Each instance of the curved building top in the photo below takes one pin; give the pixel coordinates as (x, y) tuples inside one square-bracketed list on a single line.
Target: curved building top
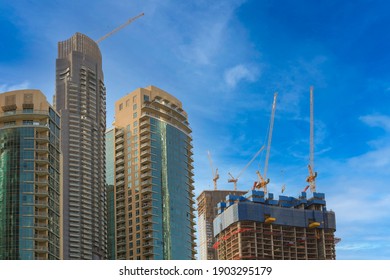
[(79, 43)]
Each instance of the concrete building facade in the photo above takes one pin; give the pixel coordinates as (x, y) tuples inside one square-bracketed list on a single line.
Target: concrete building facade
[(80, 99), (253, 227), (207, 212), (153, 177), (29, 177), (110, 182)]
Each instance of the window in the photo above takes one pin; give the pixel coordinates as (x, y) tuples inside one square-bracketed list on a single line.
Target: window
[(135, 106), (9, 123), (146, 97), (28, 110), (120, 107), (28, 122), (134, 115), (135, 124)]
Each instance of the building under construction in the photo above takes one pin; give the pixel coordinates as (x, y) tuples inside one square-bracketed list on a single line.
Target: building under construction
[(207, 211), (252, 227)]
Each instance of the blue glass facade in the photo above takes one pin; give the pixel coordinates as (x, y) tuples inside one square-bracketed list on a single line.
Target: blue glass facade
[(171, 187), (29, 186)]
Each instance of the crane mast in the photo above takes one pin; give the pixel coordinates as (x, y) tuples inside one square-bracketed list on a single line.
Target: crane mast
[(119, 28), (311, 179), (271, 127), (215, 173), (263, 181)]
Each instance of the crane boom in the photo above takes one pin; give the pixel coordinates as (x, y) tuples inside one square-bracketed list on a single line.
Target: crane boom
[(234, 180), (271, 126), (119, 28)]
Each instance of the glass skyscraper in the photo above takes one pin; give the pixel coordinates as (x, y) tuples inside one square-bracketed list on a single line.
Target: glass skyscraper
[(153, 177), (29, 177)]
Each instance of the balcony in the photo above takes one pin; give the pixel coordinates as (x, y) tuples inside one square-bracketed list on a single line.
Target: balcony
[(41, 139), (42, 159), (40, 182), (147, 190), (41, 193), (119, 147), (146, 167), (41, 171), (144, 131), (41, 149), (119, 155), (145, 138), (145, 152), (119, 132), (119, 140), (146, 160), (146, 175)]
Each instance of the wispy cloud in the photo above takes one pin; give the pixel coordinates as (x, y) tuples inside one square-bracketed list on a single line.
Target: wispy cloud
[(377, 120), (240, 73), (208, 29), (7, 87)]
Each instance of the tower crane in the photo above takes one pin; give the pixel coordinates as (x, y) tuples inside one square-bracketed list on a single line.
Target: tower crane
[(234, 180), (263, 181), (311, 179), (119, 28), (215, 173)]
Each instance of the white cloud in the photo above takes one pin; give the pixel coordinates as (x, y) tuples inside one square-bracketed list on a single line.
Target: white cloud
[(240, 73), (207, 29), (377, 121), (6, 87)]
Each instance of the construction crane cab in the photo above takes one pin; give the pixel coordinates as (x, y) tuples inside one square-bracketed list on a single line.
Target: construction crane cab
[(311, 179), (261, 183)]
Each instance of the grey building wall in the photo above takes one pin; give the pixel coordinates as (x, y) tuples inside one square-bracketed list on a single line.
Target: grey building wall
[(81, 100)]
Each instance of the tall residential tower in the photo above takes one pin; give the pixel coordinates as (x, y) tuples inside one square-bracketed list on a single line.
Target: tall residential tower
[(81, 100), (29, 177), (153, 177), (207, 211)]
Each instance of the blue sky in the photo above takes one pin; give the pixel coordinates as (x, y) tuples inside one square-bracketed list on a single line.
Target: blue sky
[(224, 60)]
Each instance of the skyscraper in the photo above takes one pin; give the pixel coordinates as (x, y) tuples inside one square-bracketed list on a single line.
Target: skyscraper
[(81, 100), (29, 177), (153, 177)]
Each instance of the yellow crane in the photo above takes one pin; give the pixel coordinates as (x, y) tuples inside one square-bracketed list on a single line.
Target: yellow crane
[(311, 179), (215, 173), (263, 181), (234, 180), (119, 28)]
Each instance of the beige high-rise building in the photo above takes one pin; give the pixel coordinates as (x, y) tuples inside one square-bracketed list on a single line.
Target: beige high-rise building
[(29, 177), (81, 100), (207, 211), (153, 177)]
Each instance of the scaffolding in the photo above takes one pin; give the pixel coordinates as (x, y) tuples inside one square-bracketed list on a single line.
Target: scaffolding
[(284, 229)]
